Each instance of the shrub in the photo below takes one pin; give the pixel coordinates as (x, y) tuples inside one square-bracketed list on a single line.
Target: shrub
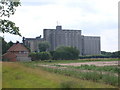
[(66, 53), (66, 84), (33, 56), (44, 55), (40, 56), (110, 79), (94, 76)]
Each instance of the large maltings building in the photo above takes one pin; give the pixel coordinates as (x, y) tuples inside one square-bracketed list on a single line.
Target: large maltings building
[(87, 45)]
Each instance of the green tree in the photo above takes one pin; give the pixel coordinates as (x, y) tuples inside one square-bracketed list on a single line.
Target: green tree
[(6, 46), (7, 8), (66, 53), (116, 54), (43, 46), (40, 56), (9, 44), (45, 55)]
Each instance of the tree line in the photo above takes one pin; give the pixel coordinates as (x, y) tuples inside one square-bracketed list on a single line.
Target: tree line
[(61, 53), (67, 53)]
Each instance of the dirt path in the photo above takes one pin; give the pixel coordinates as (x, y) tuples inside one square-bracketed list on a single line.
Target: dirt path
[(99, 63)]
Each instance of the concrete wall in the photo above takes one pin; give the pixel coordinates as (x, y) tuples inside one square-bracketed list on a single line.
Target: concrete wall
[(58, 37), (33, 44), (91, 45)]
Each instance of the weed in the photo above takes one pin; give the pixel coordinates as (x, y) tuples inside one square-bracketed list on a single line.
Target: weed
[(94, 76), (66, 84)]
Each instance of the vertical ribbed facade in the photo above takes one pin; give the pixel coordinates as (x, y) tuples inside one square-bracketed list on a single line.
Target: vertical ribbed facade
[(87, 45)]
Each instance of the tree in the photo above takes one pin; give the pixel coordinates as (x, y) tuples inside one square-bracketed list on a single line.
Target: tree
[(6, 46), (10, 44), (43, 46), (116, 54), (40, 56), (66, 53), (44, 55), (7, 8)]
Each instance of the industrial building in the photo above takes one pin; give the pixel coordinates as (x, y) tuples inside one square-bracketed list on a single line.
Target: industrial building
[(87, 45)]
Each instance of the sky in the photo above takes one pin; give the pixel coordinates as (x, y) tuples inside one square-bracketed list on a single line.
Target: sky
[(93, 17)]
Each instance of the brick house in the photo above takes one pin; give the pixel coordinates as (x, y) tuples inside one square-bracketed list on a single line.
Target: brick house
[(18, 52)]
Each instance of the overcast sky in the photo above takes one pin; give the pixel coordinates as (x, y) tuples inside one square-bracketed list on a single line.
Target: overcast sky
[(93, 17)]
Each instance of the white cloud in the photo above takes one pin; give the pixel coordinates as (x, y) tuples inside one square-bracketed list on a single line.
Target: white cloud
[(94, 17)]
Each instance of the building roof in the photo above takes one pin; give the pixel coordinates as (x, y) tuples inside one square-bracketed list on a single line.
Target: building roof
[(17, 47)]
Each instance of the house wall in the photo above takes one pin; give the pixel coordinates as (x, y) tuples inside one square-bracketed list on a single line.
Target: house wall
[(22, 58), (9, 57)]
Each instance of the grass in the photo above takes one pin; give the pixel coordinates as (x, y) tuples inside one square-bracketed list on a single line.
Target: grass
[(17, 75), (93, 76), (113, 69), (69, 61)]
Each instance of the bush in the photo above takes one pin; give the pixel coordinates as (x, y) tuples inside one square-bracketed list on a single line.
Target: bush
[(66, 53), (66, 84), (40, 56), (94, 56), (33, 56), (44, 55)]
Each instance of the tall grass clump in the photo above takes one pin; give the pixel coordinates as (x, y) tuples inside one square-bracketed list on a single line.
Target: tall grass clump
[(67, 84), (114, 69), (93, 76), (110, 79)]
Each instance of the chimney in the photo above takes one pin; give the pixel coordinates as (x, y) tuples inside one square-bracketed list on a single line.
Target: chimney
[(58, 27), (17, 42)]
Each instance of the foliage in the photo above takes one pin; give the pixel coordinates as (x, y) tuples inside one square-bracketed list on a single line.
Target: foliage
[(94, 76), (33, 56), (45, 56), (111, 54), (116, 54), (94, 56), (114, 69), (66, 53), (9, 27), (40, 56), (7, 8), (67, 84), (43, 46), (6, 46)]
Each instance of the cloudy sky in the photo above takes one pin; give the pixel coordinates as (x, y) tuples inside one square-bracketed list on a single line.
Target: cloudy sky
[(93, 17)]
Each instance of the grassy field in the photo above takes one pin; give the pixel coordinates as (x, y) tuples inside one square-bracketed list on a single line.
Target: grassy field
[(70, 61), (112, 69), (19, 75)]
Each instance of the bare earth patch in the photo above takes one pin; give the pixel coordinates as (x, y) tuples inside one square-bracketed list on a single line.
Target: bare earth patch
[(100, 63)]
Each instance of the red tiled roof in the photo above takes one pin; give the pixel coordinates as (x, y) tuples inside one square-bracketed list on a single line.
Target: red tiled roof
[(18, 47), (10, 56)]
